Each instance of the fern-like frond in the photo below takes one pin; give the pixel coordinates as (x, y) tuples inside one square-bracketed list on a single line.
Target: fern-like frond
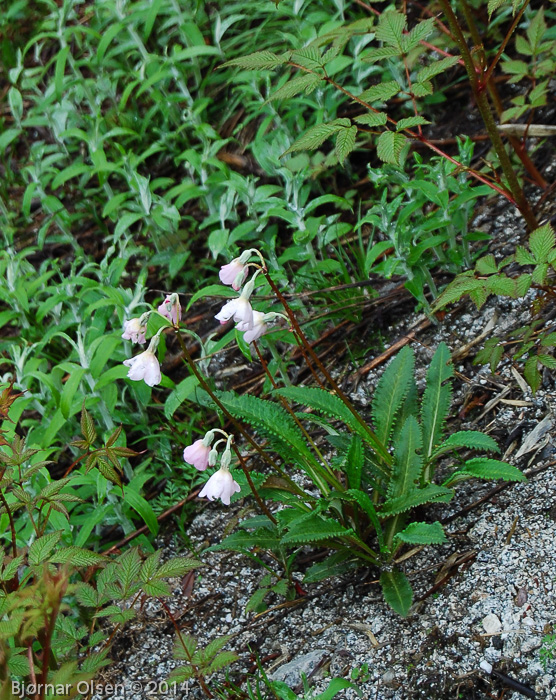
[(436, 399), (390, 393), (313, 527), (408, 463), (266, 415), (472, 439), (430, 494)]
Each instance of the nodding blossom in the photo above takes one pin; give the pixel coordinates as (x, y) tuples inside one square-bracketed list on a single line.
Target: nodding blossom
[(197, 454), (220, 485), (145, 365), (239, 309), (171, 309), (134, 330), (234, 273), (257, 328)]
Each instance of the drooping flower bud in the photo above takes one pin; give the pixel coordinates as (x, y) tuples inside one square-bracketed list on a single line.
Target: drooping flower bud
[(171, 309)]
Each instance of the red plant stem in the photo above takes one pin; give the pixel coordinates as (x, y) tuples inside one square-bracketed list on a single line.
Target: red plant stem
[(488, 73), (198, 674), (245, 470), (287, 406), (12, 523), (378, 446), (473, 173), (479, 91)]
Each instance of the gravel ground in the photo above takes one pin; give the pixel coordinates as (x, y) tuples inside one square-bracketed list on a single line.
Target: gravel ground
[(487, 595)]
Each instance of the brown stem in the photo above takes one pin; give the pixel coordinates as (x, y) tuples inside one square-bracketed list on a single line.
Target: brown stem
[(378, 446), (48, 645), (473, 173), (12, 523), (288, 408), (245, 470), (31, 665), (198, 673), (306, 358), (237, 425), (479, 91), (488, 73)]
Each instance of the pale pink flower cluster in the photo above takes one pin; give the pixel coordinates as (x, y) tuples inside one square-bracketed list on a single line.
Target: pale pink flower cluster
[(248, 320), (200, 454), (144, 366)]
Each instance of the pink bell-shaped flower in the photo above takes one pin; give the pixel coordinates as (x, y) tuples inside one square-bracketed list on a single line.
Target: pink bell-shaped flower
[(220, 485), (197, 454), (134, 330), (144, 366), (239, 309), (234, 273), (257, 329)]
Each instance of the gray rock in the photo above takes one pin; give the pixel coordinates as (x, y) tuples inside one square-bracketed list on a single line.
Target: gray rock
[(290, 673)]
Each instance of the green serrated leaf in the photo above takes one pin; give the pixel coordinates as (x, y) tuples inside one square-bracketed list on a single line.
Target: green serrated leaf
[(390, 29), (266, 415), (502, 285), (312, 527), (429, 494), (372, 119), (87, 426), (422, 89), (436, 399), (86, 595), (524, 257), (317, 135), (422, 533), (397, 591), (302, 83), (260, 60), (380, 54), (381, 92), (178, 566), (76, 556), (486, 265), (542, 241), (436, 68), (390, 146), (472, 439), (419, 32), (547, 360), (225, 658), (410, 122), (41, 548), (408, 462), (487, 469), (345, 143)]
